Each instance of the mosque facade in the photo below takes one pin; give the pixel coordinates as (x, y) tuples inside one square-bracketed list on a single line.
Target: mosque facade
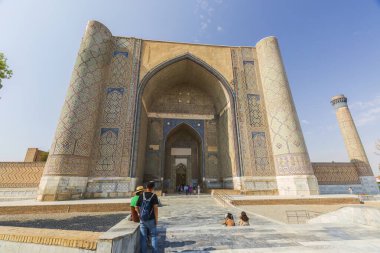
[(188, 114)]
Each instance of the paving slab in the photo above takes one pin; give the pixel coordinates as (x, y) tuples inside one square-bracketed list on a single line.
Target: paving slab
[(192, 224)]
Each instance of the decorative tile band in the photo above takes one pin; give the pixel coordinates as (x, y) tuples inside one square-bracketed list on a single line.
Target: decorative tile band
[(115, 53), (118, 90), (105, 130), (197, 125)]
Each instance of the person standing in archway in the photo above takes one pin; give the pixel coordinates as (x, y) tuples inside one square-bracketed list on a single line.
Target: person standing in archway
[(186, 189)]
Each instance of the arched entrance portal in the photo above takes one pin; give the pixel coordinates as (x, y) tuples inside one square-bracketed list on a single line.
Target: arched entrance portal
[(185, 115), (183, 158)]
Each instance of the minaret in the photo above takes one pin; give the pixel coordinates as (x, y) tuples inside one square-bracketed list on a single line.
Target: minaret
[(66, 169), (354, 145), (295, 176)]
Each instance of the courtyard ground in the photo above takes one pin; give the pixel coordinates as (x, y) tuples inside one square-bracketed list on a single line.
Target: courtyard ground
[(192, 224), (285, 213)]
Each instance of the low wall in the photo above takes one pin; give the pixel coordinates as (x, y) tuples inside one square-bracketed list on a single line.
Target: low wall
[(20, 174), (62, 207), (296, 201), (124, 237), (39, 240), (22, 247), (340, 189), (8, 194), (243, 192)]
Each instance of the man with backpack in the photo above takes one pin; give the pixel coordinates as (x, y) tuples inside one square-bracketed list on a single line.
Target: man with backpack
[(147, 209)]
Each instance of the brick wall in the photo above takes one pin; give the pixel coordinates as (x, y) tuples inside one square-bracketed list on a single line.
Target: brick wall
[(336, 173), (20, 174)]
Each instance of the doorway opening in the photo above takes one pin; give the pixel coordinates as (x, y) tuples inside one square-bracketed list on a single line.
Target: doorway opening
[(183, 158)]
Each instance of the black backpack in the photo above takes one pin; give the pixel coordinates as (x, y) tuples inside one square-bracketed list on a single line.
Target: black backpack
[(146, 208)]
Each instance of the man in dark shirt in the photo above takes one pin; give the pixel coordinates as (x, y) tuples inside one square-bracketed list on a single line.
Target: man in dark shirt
[(150, 223)]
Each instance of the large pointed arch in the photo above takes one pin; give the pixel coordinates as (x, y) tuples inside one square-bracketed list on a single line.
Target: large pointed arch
[(225, 86), (198, 137)]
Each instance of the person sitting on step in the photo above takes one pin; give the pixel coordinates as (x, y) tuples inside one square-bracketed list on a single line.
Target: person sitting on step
[(229, 220), (244, 220)]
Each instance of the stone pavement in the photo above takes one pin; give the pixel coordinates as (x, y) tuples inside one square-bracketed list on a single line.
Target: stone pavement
[(43, 207), (95, 222), (192, 224)]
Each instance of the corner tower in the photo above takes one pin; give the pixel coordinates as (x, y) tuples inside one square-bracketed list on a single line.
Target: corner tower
[(66, 170), (295, 175), (354, 144)]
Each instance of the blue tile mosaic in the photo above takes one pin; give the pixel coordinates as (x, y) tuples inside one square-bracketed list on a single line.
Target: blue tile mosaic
[(119, 90), (105, 130), (115, 53), (197, 125)]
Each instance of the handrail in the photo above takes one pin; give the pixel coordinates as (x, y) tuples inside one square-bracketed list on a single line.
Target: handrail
[(300, 216)]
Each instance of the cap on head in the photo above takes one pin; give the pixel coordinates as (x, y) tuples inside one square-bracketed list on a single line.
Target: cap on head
[(140, 188), (150, 185)]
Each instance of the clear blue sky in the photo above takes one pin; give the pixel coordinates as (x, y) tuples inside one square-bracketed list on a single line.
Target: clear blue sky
[(329, 47)]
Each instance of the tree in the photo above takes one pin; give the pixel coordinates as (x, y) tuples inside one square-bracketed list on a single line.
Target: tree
[(5, 72)]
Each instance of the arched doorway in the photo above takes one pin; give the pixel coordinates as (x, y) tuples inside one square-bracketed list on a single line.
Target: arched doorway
[(183, 163), (180, 175), (186, 90)]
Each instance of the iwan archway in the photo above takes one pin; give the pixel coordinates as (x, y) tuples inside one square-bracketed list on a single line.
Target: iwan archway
[(186, 122)]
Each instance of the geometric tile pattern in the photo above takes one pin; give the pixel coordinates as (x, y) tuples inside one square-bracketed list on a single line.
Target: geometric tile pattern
[(120, 71), (112, 108), (112, 156), (62, 164), (250, 76), (336, 173), (76, 127), (260, 150), (255, 116), (108, 145), (289, 149), (293, 164), (223, 144), (74, 130), (242, 110), (252, 115), (20, 175), (122, 42), (129, 122)]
